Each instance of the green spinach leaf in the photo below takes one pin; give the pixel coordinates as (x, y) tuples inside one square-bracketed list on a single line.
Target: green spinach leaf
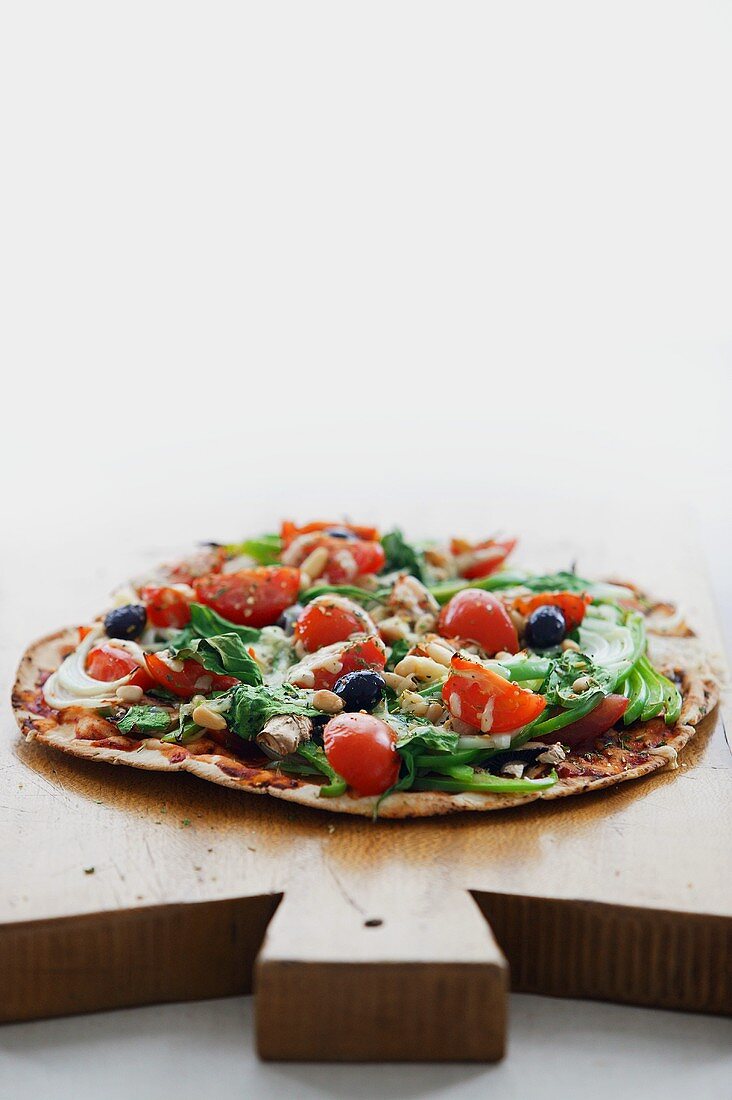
[(401, 555), (253, 705), (144, 719), (225, 655), (570, 669), (265, 549), (399, 649), (207, 623)]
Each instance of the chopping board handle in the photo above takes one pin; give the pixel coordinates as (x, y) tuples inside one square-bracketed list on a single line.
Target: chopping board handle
[(406, 976)]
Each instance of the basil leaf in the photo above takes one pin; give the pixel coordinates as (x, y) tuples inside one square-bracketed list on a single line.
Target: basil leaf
[(317, 758), (266, 549), (399, 649), (224, 655), (143, 719), (419, 741), (185, 732), (401, 555), (558, 688), (207, 623), (252, 706)]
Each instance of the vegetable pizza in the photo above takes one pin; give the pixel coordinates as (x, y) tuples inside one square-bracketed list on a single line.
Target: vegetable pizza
[(358, 672)]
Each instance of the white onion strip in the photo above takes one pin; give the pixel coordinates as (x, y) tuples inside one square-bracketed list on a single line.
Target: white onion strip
[(72, 686)]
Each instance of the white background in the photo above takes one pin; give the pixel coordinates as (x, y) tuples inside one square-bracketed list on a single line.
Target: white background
[(411, 261)]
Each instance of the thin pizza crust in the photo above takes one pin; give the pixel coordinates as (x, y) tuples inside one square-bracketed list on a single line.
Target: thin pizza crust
[(678, 654)]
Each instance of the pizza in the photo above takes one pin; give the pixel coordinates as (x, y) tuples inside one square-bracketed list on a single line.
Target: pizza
[(360, 673)]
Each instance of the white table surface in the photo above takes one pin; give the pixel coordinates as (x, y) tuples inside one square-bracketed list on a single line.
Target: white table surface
[(408, 260), (563, 1049)]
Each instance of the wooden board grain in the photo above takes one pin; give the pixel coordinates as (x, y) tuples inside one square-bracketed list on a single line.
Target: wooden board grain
[(367, 941)]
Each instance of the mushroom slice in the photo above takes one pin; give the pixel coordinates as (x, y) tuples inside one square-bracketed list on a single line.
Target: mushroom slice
[(283, 733)]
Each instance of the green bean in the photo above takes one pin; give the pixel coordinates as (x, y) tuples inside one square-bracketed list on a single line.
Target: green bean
[(638, 694), (567, 717), (672, 700), (349, 590), (447, 589), (496, 784), (654, 701), (437, 762)]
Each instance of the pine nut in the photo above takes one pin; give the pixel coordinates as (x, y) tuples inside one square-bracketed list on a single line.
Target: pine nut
[(305, 678), (396, 683), (315, 562), (327, 701), (581, 684), (413, 703), (439, 653), (435, 713), (393, 629), (423, 668), (208, 719), (129, 693), (568, 643), (518, 620)]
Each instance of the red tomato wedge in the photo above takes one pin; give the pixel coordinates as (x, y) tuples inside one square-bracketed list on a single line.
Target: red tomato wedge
[(362, 749), (571, 605), (290, 531), (255, 597), (168, 605), (482, 558), (328, 619), (598, 721), (485, 700), (108, 662), (477, 616), (189, 680), (322, 668)]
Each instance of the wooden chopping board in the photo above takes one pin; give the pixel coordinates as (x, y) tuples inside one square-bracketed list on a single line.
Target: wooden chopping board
[(369, 941)]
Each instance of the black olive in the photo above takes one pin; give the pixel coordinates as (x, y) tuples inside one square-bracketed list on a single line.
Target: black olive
[(545, 627), (340, 533), (360, 690), (126, 622), (289, 617)]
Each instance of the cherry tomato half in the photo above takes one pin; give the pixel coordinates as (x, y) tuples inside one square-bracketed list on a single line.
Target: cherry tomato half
[(328, 619), (482, 558), (322, 668), (362, 749), (485, 700), (352, 558), (168, 605), (598, 721), (347, 558), (478, 616), (290, 531), (570, 604), (190, 680), (256, 597), (109, 662)]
